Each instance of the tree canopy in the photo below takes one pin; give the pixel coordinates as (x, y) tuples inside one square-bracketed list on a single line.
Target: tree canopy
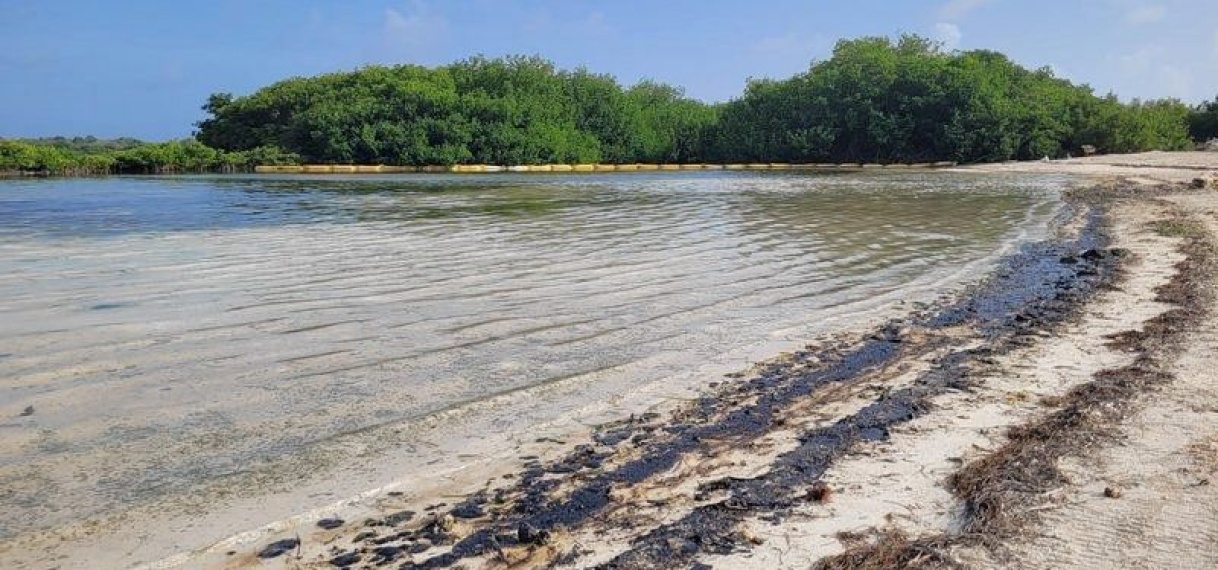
[(1203, 121), (92, 156), (875, 99), (884, 100), (514, 110)]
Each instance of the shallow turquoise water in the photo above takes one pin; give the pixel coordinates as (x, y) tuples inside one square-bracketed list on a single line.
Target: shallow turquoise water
[(173, 332)]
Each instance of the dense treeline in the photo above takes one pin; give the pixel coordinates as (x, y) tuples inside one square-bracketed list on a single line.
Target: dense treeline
[(518, 110), (92, 156), (1203, 121), (875, 99), (880, 100)]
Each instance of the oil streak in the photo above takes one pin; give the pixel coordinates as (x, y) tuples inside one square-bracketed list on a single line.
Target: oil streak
[(1034, 290)]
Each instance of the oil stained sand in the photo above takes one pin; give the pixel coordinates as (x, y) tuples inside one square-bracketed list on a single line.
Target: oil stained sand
[(207, 355)]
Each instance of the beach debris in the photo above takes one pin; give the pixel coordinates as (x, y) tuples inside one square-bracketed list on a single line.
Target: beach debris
[(28, 411), (820, 492), (1032, 284), (751, 537), (1113, 493), (1092, 255), (279, 548), (1199, 183), (468, 510), (330, 523), (419, 547), (345, 560), (529, 534), (892, 332), (445, 523), (398, 518), (612, 437), (385, 554)]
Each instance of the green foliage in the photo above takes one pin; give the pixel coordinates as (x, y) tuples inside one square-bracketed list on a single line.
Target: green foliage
[(880, 100), (514, 110), (1203, 121), (90, 156), (87, 145), (24, 156), (875, 100)]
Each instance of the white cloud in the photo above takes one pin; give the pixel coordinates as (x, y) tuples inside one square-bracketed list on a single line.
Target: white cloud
[(954, 10), (1176, 82), (538, 22), (595, 25), (414, 27), (543, 23), (1143, 15), (786, 45), (785, 55), (1139, 60), (1151, 72), (949, 35)]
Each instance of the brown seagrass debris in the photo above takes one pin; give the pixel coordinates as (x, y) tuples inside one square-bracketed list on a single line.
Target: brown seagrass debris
[(891, 548), (1002, 491)]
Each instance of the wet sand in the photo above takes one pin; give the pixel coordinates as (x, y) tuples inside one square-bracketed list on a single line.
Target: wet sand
[(299, 344), (819, 452), (803, 456)]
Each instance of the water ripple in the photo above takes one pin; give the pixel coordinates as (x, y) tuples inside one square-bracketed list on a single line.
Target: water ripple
[(232, 321)]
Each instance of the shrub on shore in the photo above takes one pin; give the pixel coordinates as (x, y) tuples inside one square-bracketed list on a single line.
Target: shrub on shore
[(874, 100), (1203, 121), (90, 156)]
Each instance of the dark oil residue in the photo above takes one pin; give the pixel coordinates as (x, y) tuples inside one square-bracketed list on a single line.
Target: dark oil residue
[(1033, 290)]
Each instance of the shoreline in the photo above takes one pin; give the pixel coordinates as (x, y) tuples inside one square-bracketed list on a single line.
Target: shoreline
[(462, 469), (194, 516), (605, 484), (906, 364), (718, 486), (588, 168), (1173, 166)]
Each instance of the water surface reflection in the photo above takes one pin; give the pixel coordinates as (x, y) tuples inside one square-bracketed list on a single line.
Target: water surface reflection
[(174, 332)]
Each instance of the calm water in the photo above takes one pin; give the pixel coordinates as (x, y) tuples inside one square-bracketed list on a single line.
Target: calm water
[(172, 333)]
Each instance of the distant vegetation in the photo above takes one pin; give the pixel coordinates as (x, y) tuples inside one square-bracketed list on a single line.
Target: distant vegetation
[(906, 100), (874, 100), (518, 110), (91, 156), (1203, 121)]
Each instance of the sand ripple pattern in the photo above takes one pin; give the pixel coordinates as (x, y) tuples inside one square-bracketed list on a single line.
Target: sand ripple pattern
[(169, 332)]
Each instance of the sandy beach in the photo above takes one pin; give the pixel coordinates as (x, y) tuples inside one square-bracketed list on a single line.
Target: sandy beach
[(868, 469), (1060, 414), (473, 285)]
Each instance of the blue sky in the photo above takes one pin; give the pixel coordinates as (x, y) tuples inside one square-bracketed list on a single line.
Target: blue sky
[(143, 67)]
